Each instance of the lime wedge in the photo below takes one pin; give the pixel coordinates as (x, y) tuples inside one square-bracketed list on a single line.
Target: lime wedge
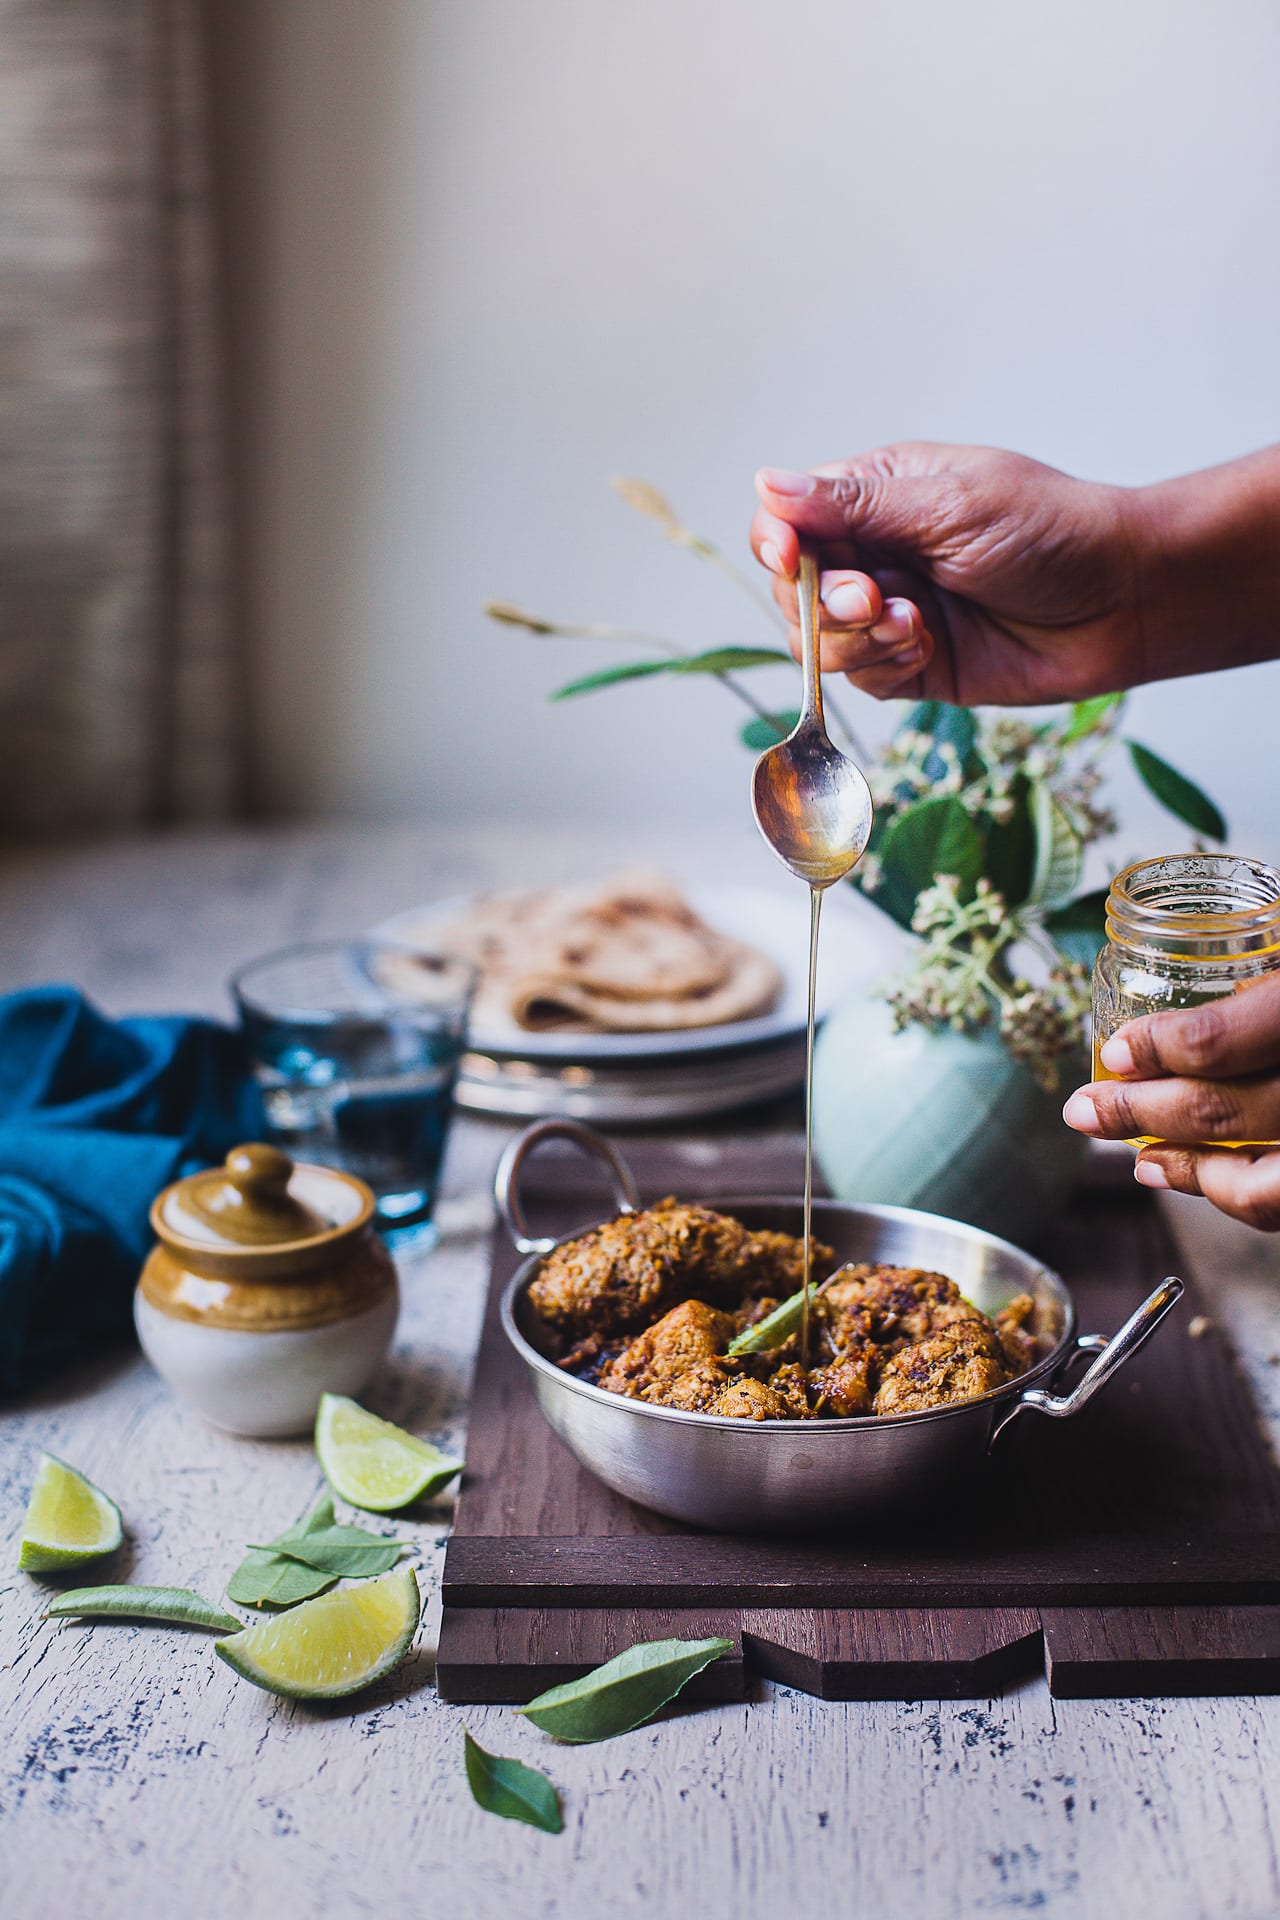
[(374, 1465), (67, 1520), (334, 1645)]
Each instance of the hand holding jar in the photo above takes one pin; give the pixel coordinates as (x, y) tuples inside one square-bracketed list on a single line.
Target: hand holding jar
[(1194, 1084)]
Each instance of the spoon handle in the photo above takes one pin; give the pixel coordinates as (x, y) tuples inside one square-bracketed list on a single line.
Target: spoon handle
[(807, 596)]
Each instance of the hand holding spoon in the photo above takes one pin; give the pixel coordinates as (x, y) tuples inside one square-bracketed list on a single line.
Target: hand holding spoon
[(814, 808)]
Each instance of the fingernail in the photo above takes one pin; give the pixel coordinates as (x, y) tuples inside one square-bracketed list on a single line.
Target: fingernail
[(770, 556), (908, 661), (848, 604), (1117, 1055), (1149, 1173), (1081, 1114), (792, 486), (896, 624)]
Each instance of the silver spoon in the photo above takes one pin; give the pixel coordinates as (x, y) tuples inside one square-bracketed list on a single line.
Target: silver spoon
[(814, 808), (811, 803)]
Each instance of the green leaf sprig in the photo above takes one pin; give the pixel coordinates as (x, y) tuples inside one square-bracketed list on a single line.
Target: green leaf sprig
[(624, 1692), (510, 1789), (268, 1577), (346, 1553), (173, 1606)]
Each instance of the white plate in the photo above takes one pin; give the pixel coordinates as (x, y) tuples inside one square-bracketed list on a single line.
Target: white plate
[(858, 946)]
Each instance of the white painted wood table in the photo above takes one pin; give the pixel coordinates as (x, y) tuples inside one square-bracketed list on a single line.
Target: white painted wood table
[(139, 1777)]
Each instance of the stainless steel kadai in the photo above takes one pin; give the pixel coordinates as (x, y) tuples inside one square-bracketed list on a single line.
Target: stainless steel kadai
[(739, 1476)]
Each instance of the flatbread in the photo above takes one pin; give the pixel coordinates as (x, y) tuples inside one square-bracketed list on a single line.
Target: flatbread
[(628, 957)]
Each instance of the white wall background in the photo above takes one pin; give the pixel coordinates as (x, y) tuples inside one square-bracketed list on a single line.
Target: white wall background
[(487, 253)]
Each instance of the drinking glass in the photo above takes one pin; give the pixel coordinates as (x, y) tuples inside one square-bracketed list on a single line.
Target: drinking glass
[(356, 1047)]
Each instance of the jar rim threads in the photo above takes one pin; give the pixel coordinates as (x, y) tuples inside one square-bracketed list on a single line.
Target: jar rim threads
[(1196, 906)]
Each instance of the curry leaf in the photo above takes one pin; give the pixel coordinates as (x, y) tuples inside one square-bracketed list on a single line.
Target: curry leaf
[(177, 1605), (269, 1580), (1087, 716), (1174, 791), (773, 1331), (767, 729), (266, 1579), (510, 1789), (624, 1692), (351, 1553)]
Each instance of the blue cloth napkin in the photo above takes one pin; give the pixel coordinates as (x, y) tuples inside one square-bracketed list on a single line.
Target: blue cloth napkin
[(96, 1116)]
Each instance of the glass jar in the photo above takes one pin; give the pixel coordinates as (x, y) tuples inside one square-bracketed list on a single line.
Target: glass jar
[(1182, 930)]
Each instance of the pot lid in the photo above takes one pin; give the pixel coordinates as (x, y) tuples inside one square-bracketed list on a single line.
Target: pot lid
[(259, 1199)]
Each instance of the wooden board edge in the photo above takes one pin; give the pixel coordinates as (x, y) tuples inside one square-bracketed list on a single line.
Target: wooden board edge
[(988, 1650), (1162, 1652)]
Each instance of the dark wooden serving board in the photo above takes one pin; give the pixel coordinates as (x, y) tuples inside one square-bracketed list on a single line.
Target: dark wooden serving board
[(1134, 1549)]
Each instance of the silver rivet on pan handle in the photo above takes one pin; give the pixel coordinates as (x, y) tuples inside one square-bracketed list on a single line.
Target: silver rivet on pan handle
[(1112, 1354), (506, 1181)]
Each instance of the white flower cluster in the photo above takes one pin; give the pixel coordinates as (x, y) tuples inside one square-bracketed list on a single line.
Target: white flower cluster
[(961, 979)]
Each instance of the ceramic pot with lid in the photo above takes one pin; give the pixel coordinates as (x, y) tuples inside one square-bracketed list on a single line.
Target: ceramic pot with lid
[(269, 1287)]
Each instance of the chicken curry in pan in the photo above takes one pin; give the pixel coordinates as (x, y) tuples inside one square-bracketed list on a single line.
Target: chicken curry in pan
[(683, 1307)]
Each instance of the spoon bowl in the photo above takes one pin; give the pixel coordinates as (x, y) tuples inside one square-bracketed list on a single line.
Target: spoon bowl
[(811, 803)]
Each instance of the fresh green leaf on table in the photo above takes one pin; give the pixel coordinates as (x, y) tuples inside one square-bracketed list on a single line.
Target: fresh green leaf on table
[(1087, 716), (510, 1789), (761, 733), (934, 836), (1175, 792), (269, 1580), (178, 1606), (1079, 929), (265, 1578), (348, 1553), (718, 660), (624, 1692)]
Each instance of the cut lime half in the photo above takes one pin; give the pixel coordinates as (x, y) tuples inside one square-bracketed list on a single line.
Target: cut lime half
[(374, 1465), (68, 1520), (337, 1644)]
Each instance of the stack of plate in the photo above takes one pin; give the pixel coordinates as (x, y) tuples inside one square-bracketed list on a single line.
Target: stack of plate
[(639, 1077)]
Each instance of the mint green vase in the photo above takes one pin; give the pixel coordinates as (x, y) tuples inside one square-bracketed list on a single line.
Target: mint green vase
[(943, 1121)]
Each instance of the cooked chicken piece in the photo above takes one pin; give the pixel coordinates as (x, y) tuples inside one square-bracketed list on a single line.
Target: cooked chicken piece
[(790, 1383), (839, 1327), (958, 1363), (619, 1276), (1017, 1342), (905, 1304), (694, 1391), (847, 1386), (749, 1399), (645, 1369)]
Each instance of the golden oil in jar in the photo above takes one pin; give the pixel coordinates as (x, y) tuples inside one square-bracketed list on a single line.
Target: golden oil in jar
[(1183, 930)]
